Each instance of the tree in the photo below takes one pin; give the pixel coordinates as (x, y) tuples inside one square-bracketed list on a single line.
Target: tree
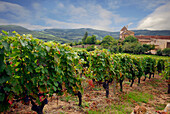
[(148, 47), (90, 48), (120, 48), (159, 52), (138, 49), (130, 39), (107, 41), (85, 37), (79, 43), (75, 43), (166, 51), (71, 44), (98, 42), (133, 47), (91, 39), (129, 47), (114, 48)]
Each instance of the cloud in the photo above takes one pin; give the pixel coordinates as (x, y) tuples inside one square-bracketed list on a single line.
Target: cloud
[(83, 16), (130, 24), (59, 24), (61, 15), (158, 20), (13, 12), (93, 15), (151, 4), (113, 4), (144, 4)]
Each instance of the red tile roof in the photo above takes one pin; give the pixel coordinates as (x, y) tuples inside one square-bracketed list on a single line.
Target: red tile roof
[(124, 28), (154, 37)]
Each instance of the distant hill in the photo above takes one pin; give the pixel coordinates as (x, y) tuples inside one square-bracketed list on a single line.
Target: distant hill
[(16, 28), (36, 34), (69, 35), (152, 33), (77, 34)]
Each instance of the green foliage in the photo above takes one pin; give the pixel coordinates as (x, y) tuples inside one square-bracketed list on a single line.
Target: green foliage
[(114, 49), (159, 52), (148, 47), (136, 47), (166, 51), (130, 39), (124, 63), (133, 47), (160, 65), (138, 64), (107, 41), (79, 43), (166, 71), (101, 66), (5, 74), (149, 65), (90, 48), (30, 66), (156, 57), (91, 39), (98, 42), (85, 37)]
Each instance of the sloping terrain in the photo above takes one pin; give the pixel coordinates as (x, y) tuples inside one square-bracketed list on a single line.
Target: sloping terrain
[(77, 34), (36, 34), (70, 35)]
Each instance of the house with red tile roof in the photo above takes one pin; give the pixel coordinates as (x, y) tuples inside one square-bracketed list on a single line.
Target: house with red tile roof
[(160, 42)]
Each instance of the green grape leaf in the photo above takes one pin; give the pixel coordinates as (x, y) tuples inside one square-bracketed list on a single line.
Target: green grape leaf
[(47, 48), (5, 32), (6, 45), (56, 84)]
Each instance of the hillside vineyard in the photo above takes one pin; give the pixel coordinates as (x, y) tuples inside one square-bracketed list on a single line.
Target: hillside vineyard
[(32, 70)]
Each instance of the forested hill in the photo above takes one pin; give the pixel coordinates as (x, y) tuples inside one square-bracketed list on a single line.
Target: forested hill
[(152, 33), (77, 34), (36, 34), (19, 29), (68, 35)]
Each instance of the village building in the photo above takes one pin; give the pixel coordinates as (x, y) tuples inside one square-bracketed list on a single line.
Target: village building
[(124, 32), (160, 42)]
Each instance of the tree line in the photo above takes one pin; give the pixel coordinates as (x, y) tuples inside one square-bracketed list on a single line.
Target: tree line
[(129, 45)]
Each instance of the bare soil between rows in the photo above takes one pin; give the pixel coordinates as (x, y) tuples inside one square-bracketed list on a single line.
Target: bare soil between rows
[(94, 99)]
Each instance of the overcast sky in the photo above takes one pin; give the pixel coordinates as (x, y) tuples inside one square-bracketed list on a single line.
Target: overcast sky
[(109, 15)]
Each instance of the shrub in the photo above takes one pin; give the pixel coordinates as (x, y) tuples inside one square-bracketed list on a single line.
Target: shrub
[(166, 51), (159, 52), (90, 48)]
